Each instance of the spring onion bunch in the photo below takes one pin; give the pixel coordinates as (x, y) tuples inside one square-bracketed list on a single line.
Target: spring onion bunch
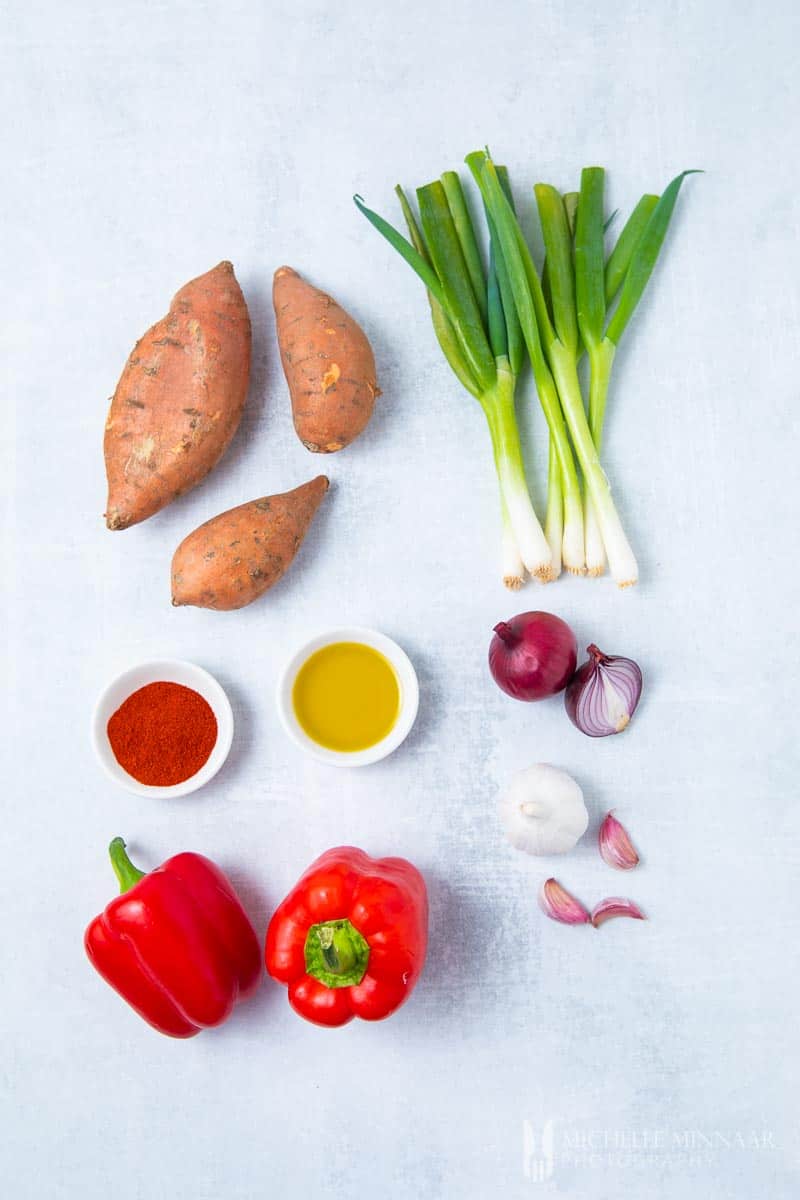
[(486, 318), (475, 321)]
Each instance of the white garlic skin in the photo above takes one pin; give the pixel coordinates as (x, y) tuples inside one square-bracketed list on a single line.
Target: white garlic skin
[(543, 811)]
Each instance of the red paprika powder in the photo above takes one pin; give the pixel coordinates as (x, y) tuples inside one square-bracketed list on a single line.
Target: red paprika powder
[(163, 734)]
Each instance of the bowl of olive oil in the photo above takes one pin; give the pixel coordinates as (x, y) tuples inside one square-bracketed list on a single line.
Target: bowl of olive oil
[(349, 696)]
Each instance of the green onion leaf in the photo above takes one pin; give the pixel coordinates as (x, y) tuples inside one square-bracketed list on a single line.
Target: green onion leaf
[(414, 231), (620, 258), (558, 248), (590, 257), (466, 236), (444, 248), (442, 325), (405, 250), (498, 334), (523, 279), (516, 342), (571, 209), (644, 258)]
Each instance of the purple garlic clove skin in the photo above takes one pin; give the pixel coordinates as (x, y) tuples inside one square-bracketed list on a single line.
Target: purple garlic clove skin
[(615, 906), (556, 903), (616, 848)]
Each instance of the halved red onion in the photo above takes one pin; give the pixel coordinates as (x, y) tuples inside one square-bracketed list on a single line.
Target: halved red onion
[(603, 694)]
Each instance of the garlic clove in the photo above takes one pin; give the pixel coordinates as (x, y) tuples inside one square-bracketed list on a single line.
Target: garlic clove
[(557, 903), (615, 906), (616, 847)]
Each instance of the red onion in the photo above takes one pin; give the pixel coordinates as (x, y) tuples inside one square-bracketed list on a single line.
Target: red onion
[(602, 696), (533, 655)]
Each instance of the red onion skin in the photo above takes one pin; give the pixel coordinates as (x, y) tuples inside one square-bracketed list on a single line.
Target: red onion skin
[(574, 691), (533, 655)]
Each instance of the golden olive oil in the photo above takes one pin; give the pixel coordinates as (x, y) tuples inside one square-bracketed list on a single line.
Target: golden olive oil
[(346, 696)]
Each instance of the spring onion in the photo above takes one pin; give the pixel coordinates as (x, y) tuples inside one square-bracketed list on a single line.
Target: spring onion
[(531, 308), (477, 329), (596, 283), (486, 319)]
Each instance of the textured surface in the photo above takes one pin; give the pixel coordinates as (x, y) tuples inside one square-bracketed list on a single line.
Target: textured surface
[(145, 142)]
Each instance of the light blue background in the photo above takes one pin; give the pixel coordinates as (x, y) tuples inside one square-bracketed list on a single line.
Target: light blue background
[(143, 143)]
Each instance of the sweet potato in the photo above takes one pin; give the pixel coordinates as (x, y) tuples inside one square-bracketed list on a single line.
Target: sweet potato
[(328, 364), (179, 400), (235, 557)]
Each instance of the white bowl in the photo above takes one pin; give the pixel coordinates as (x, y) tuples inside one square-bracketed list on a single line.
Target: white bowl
[(163, 671), (409, 697)]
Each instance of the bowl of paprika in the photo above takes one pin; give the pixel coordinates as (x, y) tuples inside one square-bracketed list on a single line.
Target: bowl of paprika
[(163, 728)]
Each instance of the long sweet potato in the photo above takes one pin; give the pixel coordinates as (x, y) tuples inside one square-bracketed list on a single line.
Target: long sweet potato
[(328, 363), (179, 400), (235, 557)]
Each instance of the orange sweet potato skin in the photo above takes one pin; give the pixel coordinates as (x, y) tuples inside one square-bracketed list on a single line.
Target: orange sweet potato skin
[(328, 363), (179, 400), (236, 557)]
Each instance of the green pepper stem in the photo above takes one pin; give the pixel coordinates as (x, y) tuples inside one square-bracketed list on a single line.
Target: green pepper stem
[(336, 953), (127, 874), (337, 950)]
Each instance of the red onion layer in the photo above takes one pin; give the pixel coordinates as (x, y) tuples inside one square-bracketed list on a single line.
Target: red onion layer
[(533, 655), (603, 694)]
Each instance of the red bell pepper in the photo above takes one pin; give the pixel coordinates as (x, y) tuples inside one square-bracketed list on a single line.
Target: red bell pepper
[(177, 944), (350, 938)]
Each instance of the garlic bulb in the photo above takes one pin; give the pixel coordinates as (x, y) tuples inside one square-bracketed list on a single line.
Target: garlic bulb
[(543, 811)]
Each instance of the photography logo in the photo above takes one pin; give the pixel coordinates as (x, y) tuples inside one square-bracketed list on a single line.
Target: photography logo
[(538, 1160), (633, 1149)]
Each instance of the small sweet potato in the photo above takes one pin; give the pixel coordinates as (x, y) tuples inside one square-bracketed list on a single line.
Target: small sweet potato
[(328, 364), (235, 557), (179, 400)]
